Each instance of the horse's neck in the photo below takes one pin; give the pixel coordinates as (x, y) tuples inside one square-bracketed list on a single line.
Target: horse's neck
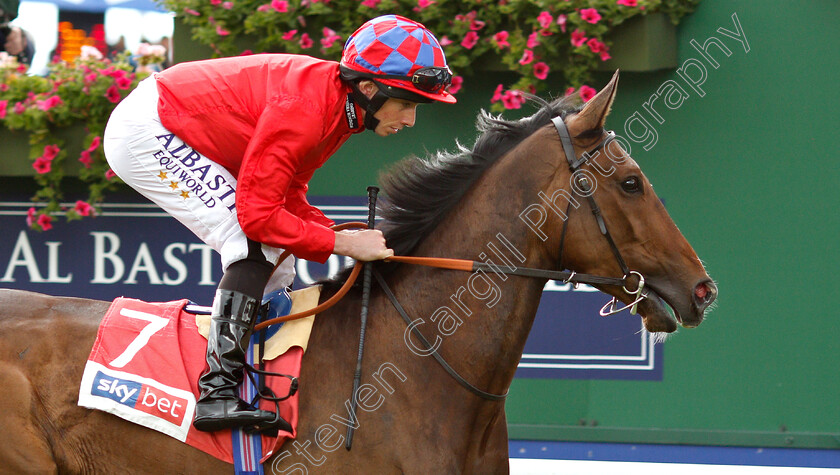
[(497, 310)]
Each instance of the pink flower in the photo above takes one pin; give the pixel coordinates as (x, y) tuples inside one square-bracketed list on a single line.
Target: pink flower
[(596, 46), (86, 159), (541, 70), (123, 82), (305, 41), (42, 165), (501, 39), (590, 14), (91, 77), (561, 20), (569, 91), (476, 25), (527, 57), (533, 40), (545, 19), (221, 31), (445, 41), (264, 7), (628, 3), (587, 92), (45, 221), (4, 87), (330, 37), (94, 144), (50, 152), (30, 217), (3, 105), (457, 82), (578, 38), (215, 2), (112, 94), (371, 3), (227, 5), (106, 71), (289, 35), (19, 108), (512, 99), (49, 103), (110, 174), (497, 94), (423, 4), (281, 6), (605, 56), (470, 40), (192, 12), (83, 208)]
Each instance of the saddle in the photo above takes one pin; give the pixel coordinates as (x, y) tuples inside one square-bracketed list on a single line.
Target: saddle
[(147, 357)]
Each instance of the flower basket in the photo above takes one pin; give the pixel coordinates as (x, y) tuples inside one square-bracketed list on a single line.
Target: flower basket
[(52, 128), (13, 162), (571, 40)]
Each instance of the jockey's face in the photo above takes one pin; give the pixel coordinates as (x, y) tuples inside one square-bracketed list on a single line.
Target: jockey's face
[(394, 113)]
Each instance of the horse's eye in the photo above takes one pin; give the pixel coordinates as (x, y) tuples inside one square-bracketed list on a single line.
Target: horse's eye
[(632, 184)]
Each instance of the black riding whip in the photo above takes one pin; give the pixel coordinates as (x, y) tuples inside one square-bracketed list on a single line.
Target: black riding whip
[(366, 281)]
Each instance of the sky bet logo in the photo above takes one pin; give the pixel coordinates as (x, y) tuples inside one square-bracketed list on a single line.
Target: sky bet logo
[(142, 397)]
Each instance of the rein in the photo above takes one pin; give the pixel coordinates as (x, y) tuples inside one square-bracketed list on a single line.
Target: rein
[(444, 263), (572, 277)]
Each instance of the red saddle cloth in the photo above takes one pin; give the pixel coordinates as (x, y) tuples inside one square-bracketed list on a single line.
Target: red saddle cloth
[(144, 367)]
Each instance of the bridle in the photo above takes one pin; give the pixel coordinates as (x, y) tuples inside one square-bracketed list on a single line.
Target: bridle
[(582, 182), (586, 190)]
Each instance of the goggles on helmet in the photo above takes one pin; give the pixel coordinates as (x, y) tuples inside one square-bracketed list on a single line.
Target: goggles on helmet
[(429, 79)]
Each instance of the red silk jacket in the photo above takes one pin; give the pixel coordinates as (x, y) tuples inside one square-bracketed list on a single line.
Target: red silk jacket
[(271, 120)]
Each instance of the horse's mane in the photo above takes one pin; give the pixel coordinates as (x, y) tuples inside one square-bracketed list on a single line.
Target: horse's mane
[(419, 193)]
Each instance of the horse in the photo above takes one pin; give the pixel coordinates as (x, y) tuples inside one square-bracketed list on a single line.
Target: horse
[(519, 198)]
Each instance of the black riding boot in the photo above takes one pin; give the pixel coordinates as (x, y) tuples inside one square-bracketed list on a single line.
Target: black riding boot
[(219, 406)]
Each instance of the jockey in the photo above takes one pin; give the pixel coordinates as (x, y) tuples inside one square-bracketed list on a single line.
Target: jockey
[(227, 146)]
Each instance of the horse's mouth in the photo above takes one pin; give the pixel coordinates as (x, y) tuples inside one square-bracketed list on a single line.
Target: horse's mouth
[(658, 315)]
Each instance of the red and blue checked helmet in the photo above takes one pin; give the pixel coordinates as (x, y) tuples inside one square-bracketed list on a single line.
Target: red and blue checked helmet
[(401, 56)]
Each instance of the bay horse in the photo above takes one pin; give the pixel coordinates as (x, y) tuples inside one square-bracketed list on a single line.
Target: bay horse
[(509, 201)]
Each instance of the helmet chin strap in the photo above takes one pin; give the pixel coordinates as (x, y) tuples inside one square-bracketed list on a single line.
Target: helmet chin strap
[(371, 106)]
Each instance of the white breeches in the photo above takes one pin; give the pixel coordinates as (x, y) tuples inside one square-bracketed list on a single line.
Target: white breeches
[(195, 190)]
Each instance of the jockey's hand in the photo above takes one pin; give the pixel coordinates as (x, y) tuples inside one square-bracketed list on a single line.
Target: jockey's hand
[(362, 245)]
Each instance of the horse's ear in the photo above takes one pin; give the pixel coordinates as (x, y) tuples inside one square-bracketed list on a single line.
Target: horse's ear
[(594, 113)]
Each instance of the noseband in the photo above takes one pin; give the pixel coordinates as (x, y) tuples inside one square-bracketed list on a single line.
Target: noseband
[(586, 190)]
